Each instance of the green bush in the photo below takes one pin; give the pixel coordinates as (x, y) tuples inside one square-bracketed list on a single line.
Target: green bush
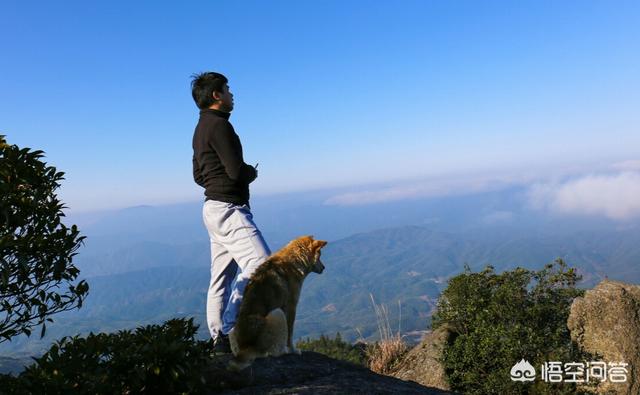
[(36, 249), (153, 359), (499, 319), (335, 348)]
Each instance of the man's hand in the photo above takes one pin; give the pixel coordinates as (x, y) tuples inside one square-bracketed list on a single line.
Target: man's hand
[(250, 172)]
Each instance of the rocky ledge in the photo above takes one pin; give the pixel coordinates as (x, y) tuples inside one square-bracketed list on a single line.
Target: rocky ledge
[(309, 373)]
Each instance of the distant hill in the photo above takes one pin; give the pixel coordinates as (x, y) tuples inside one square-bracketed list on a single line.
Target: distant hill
[(410, 265), (141, 237), (404, 268), (148, 263), (14, 364)]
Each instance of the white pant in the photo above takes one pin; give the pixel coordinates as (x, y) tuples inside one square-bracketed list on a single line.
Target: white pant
[(237, 247)]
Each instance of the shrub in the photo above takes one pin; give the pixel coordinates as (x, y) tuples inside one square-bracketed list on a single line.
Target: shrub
[(153, 359), (36, 249), (334, 348), (499, 319)]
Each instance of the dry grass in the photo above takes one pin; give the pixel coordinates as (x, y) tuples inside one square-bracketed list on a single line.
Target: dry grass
[(383, 354)]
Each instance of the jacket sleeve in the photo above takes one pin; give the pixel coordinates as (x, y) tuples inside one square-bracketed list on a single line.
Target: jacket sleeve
[(227, 146)]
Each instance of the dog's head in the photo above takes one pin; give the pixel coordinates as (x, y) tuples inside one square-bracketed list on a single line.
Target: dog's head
[(307, 252)]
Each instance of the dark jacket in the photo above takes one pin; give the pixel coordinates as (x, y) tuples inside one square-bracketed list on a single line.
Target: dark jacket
[(218, 165)]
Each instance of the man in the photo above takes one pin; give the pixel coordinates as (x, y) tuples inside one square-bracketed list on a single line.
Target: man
[(237, 246)]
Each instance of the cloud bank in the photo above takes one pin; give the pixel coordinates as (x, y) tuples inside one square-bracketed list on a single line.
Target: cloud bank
[(612, 192), (423, 189), (628, 165), (615, 196)]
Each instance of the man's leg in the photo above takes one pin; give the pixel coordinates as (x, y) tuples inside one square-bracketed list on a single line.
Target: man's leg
[(223, 271), (248, 249)]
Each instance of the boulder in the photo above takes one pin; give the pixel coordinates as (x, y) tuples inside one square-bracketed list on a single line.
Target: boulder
[(606, 322), (422, 363)]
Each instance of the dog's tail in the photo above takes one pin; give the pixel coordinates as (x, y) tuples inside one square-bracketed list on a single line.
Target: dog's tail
[(256, 337), (273, 339)]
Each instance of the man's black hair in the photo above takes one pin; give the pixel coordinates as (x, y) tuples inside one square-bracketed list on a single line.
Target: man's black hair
[(203, 85)]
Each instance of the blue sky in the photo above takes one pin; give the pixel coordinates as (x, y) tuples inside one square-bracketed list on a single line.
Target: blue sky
[(327, 93)]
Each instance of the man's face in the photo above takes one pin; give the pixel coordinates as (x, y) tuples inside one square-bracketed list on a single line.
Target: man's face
[(224, 99)]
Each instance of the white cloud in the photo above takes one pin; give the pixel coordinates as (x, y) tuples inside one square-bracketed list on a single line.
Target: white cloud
[(423, 189), (497, 217), (615, 196), (627, 165), (612, 194)]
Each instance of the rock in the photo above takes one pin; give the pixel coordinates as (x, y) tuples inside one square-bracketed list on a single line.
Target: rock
[(421, 364), (309, 373), (606, 321)]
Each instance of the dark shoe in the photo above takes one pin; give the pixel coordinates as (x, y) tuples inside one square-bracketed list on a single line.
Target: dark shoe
[(221, 345)]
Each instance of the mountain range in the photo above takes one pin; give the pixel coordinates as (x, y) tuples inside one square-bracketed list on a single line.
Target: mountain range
[(148, 264)]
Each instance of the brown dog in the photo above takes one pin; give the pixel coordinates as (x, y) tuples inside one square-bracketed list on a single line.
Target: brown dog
[(268, 310)]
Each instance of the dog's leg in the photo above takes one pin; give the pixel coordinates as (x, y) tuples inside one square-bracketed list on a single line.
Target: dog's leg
[(291, 318)]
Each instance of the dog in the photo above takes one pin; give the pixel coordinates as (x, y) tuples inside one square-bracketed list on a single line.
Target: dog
[(264, 326)]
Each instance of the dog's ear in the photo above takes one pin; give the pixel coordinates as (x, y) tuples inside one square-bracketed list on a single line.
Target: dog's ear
[(318, 244)]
